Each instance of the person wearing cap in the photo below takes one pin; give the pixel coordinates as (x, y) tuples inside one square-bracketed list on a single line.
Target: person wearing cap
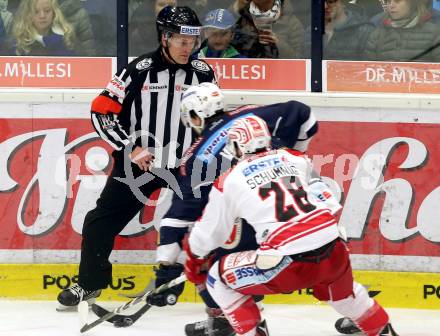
[(138, 114), (268, 29), (141, 38), (218, 29), (346, 31)]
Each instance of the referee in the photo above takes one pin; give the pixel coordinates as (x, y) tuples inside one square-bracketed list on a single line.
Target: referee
[(138, 114)]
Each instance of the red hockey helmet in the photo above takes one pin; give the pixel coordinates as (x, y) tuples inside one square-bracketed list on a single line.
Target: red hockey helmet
[(248, 135)]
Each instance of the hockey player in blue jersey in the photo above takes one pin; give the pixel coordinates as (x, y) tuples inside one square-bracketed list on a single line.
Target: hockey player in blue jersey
[(292, 125)]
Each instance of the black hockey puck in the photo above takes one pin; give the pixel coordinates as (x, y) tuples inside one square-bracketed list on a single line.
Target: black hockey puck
[(123, 322)]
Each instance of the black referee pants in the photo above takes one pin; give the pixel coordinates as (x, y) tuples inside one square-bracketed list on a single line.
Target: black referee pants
[(116, 206)]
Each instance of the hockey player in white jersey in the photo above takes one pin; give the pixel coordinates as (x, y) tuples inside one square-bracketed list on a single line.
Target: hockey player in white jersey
[(298, 237)]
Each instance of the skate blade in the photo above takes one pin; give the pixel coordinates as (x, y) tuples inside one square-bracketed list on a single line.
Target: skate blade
[(66, 309)]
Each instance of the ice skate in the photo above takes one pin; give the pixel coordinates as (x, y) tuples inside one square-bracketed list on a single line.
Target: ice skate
[(215, 325), (70, 297), (346, 326)]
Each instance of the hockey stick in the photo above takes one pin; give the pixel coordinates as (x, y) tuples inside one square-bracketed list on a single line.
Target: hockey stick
[(121, 321), (83, 304), (149, 287)]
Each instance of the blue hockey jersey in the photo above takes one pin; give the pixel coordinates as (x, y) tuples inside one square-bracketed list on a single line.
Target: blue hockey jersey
[(291, 124)]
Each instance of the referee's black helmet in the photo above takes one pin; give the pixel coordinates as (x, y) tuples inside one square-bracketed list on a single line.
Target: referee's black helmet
[(177, 19)]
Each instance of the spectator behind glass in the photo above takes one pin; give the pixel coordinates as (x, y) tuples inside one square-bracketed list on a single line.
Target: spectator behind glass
[(433, 7), (370, 7), (5, 25), (202, 7), (406, 34), (218, 29), (6, 17), (40, 29), (13, 5), (142, 35), (78, 17), (215, 4), (3, 37), (302, 10), (237, 6), (199, 6), (346, 31), (102, 15), (133, 5), (268, 29)]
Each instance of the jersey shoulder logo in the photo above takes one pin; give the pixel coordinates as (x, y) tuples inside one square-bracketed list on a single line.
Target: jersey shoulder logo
[(200, 65), (144, 64)]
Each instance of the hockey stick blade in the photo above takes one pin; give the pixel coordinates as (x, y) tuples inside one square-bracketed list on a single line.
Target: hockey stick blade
[(120, 321), (132, 303), (130, 320)]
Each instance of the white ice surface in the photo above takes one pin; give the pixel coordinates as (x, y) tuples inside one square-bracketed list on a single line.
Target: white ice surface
[(39, 318)]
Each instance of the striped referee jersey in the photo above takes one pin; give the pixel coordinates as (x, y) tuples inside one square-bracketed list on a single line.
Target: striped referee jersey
[(141, 106)]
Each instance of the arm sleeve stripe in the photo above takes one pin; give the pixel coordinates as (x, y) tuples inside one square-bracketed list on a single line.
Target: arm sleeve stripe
[(119, 130), (277, 124), (308, 128), (105, 105), (97, 124)]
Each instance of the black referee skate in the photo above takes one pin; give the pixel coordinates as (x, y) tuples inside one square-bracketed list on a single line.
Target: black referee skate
[(346, 326), (70, 298), (213, 326)]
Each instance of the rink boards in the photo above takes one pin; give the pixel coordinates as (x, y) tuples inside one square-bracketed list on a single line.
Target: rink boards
[(381, 160), (43, 282)]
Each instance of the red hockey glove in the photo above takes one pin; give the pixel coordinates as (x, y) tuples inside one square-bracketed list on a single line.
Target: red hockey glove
[(196, 269)]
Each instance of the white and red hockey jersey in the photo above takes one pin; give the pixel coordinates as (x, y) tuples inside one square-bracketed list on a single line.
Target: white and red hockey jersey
[(272, 192)]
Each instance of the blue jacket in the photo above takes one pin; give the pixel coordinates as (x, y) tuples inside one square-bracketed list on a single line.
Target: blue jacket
[(53, 46), (206, 159)]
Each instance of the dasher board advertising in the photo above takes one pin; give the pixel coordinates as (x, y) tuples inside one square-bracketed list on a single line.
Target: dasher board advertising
[(55, 72), (52, 170), (262, 74), (390, 77)]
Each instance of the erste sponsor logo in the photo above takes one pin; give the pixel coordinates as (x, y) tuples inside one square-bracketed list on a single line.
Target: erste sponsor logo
[(230, 278), (189, 30), (261, 165)]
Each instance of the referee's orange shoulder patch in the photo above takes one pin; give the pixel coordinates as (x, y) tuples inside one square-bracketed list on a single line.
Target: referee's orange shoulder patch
[(105, 105)]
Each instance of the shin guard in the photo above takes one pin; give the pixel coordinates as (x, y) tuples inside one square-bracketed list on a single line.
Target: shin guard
[(244, 317), (373, 321)]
